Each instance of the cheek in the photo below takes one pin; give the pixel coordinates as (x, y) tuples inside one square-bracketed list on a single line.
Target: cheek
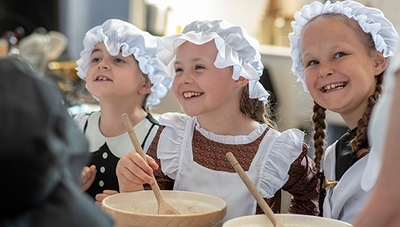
[(309, 79), (175, 86), (89, 73)]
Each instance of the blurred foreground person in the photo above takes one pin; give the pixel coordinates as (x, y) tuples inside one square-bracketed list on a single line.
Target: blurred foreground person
[(42, 155), (383, 206)]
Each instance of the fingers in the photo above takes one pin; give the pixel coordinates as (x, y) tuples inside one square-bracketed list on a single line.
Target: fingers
[(132, 172), (88, 175), (101, 196), (152, 162)]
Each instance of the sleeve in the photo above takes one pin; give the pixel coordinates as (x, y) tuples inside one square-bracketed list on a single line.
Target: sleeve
[(303, 185), (170, 143), (80, 120), (286, 147)]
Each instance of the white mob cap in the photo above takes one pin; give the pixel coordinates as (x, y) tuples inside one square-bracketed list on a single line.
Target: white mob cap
[(235, 48), (118, 35), (371, 20)]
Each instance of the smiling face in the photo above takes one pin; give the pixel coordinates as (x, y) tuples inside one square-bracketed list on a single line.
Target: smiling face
[(114, 76), (340, 71), (200, 87)]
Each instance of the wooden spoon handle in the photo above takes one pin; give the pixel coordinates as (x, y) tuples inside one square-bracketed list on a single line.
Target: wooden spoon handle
[(138, 148), (264, 206)]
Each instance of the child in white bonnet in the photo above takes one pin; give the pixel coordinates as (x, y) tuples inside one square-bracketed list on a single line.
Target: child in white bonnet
[(120, 68)]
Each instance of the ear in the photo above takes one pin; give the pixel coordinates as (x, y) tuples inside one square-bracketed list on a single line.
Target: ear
[(380, 63), (241, 82), (145, 88)]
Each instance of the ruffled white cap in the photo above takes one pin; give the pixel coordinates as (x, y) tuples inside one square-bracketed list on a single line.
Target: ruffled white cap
[(371, 20), (235, 48), (119, 35)]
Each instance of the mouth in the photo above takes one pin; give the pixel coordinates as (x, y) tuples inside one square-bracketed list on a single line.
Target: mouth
[(102, 78), (333, 87), (191, 94)]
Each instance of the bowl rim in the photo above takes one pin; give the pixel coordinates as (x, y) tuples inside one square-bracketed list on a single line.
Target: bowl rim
[(299, 215), (223, 209)]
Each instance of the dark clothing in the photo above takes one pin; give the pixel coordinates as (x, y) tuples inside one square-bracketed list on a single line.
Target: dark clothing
[(42, 155), (345, 157)]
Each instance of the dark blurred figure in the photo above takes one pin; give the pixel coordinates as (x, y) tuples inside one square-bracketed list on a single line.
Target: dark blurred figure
[(42, 155)]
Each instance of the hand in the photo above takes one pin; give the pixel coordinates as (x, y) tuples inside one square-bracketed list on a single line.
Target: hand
[(87, 177), (132, 172), (99, 197)]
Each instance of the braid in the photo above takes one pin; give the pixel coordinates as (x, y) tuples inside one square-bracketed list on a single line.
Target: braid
[(362, 124), (318, 119)]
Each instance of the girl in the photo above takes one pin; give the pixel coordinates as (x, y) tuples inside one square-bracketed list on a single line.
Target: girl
[(216, 67), (121, 70), (339, 53)]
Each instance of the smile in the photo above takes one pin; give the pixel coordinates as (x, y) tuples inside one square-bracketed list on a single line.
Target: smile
[(332, 87), (102, 78), (191, 94)]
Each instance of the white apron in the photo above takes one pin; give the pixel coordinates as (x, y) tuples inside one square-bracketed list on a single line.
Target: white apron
[(345, 200), (227, 186)]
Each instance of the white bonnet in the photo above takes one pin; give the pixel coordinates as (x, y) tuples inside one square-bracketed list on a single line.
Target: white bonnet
[(235, 48), (371, 20), (119, 35)]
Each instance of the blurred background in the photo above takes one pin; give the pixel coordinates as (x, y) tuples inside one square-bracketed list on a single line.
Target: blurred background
[(48, 34)]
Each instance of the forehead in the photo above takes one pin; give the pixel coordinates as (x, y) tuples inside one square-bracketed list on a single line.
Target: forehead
[(188, 49), (328, 29)]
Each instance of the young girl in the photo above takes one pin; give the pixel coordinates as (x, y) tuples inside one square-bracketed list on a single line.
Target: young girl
[(120, 68), (340, 51), (216, 67)]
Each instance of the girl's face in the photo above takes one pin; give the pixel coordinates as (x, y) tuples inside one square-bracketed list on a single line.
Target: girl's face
[(200, 87), (114, 76), (340, 72)]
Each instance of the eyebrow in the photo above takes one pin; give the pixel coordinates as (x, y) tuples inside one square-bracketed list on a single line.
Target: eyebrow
[(96, 50), (193, 60)]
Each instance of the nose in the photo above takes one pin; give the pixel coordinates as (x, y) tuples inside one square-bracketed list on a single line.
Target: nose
[(186, 78), (325, 69), (103, 64)]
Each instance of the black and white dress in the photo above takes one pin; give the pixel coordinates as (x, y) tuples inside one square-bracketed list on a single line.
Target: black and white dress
[(106, 151)]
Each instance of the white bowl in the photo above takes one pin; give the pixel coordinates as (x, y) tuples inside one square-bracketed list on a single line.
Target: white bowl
[(288, 220), (140, 209)]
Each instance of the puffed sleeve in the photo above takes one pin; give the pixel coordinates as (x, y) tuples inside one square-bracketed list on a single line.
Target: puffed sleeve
[(170, 143), (80, 120), (285, 149)]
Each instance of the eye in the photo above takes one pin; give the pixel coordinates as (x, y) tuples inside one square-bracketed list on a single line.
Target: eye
[(95, 60), (311, 63), (199, 67), (178, 71), (339, 55), (119, 60)]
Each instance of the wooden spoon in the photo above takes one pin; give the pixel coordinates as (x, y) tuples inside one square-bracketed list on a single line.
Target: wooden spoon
[(163, 206), (264, 206)]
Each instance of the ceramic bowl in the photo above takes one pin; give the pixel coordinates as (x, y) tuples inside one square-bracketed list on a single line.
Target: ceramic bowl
[(288, 220), (140, 209)]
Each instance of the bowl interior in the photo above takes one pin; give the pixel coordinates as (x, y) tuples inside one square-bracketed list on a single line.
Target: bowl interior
[(289, 220), (144, 203)]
